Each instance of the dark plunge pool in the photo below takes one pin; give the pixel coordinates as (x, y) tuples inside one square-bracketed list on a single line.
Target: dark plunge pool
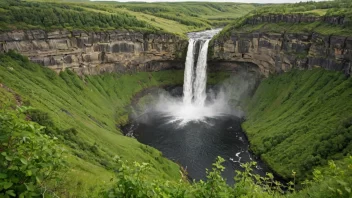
[(196, 145)]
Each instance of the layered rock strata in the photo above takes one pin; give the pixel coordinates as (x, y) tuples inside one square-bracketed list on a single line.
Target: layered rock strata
[(275, 53), (280, 52), (97, 52)]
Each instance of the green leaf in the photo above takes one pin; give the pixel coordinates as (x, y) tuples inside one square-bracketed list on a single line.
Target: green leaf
[(8, 158), (38, 179), (342, 182), (7, 185), (3, 176), (11, 193), (30, 187), (24, 161), (32, 127), (29, 173)]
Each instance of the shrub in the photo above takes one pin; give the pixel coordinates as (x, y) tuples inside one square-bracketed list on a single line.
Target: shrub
[(28, 157)]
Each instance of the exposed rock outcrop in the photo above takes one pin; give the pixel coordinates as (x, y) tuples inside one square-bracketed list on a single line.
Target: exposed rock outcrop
[(275, 53), (97, 52)]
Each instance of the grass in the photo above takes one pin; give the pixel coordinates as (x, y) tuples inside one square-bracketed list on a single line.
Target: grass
[(338, 8), (318, 27), (94, 106), (319, 12), (162, 24), (177, 18), (300, 119)]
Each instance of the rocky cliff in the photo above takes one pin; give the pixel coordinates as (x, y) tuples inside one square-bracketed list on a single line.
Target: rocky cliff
[(97, 52), (275, 53), (279, 52)]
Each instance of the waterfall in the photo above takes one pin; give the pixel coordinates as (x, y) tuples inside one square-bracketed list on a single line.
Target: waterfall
[(188, 76), (195, 76), (200, 82), (192, 108)]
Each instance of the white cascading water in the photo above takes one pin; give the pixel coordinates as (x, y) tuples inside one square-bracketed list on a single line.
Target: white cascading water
[(192, 107), (200, 83), (188, 76)]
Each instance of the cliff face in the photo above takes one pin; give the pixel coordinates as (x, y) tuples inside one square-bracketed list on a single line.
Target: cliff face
[(279, 52), (97, 52), (275, 53)]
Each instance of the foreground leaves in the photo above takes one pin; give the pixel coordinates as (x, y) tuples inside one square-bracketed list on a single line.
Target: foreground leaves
[(28, 157)]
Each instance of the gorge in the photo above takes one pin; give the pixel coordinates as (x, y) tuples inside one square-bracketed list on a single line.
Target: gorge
[(148, 100), (195, 127)]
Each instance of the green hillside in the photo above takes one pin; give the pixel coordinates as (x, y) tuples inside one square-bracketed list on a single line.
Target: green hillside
[(84, 112), (176, 18), (61, 133), (336, 8), (300, 120)]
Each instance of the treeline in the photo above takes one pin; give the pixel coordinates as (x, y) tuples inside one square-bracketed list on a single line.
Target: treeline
[(305, 7), (145, 8), (337, 8), (52, 15)]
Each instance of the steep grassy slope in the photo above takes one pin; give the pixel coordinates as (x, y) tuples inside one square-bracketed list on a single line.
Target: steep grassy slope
[(177, 18), (86, 113), (93, 107), (301, 119)]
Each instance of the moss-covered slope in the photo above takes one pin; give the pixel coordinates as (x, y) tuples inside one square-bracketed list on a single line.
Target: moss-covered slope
[(301, 119), (85, 114)]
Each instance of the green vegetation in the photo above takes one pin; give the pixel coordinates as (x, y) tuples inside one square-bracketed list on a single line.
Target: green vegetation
[(332, 181), (84, 112), (177, 18), (319, 27), (34, 15), (298, 122), (198, 14), (29, 158), (301, 119), (79, 111), (32, 165), (336, 8)]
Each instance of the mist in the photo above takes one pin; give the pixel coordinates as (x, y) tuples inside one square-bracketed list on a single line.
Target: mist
[(224, 99)]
